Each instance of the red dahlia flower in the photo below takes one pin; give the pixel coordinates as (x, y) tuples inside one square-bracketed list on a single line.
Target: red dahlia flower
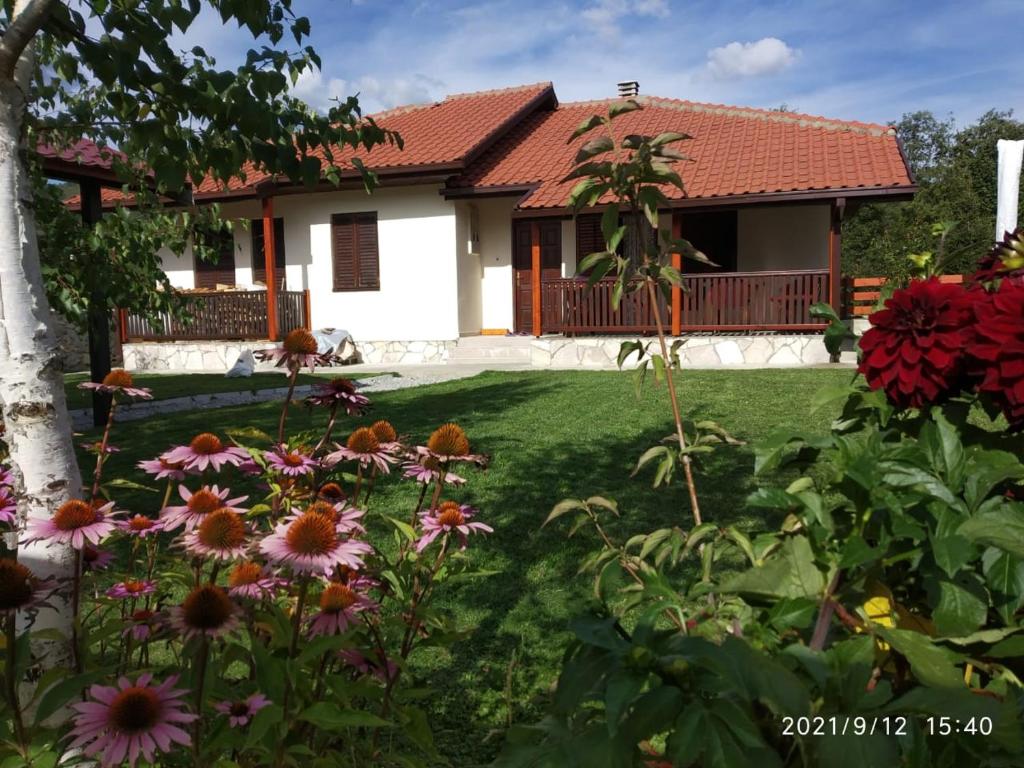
[(915, 349), (997, 354)]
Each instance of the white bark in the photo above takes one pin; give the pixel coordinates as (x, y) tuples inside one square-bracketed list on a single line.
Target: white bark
[(38, 430)]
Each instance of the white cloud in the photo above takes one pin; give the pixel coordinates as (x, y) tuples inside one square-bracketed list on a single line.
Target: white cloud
[(763, 57), (606, 16), (374, 93)]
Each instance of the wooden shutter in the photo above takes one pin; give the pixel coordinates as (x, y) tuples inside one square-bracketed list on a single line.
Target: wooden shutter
[(222, 272), (259, 259), (355, 252), (588, 235)]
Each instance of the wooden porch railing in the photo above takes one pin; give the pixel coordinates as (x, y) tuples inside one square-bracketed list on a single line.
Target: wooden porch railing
[(221, 315), (723, 301), (863, 293)]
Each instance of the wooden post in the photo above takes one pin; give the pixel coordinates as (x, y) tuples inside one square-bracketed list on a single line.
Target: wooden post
[(270, 260), (122, 325), (677, 265), (307, 318), (535, 275), (835, 253)]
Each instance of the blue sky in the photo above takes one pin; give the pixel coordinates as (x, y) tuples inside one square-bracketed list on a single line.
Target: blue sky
[(857, 59)]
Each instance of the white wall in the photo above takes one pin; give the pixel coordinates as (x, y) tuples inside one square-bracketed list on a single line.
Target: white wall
[(416, 230), (496, 261), (179, 268), (568, 247), (782, 237), (470, 273)]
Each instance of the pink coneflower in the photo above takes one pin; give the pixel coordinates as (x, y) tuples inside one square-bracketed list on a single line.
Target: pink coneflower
[(426, 469), (290, 462), (207, 611), (131, 588), (449, 517), (96, 559), (143, 625), (95, 447), (133, 719), (310, 544), (340, 392), (346, 519), (118, 382), (298, 350), (198, 505), (221, 536), (253, 581), (161, 468), (75, 522), (386, 436), (140, 526), (449, 443), (339, 604), (20, 589), (362, 446), (365, 666), (8, 506), (205, 450), (240, 712)]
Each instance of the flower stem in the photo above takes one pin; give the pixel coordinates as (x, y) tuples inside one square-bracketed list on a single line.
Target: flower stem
[(76, 601), (197, 726), (287, 402), (330, 428), (102, 455), (10, 665)]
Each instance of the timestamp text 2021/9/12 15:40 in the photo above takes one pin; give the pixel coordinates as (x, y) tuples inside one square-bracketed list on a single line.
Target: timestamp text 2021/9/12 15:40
[(891, 725)]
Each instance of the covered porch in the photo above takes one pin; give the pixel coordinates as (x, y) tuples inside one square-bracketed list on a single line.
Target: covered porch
[(552, 300)]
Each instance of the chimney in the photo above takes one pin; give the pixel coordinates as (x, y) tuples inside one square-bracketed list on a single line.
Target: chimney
[(629, 89)]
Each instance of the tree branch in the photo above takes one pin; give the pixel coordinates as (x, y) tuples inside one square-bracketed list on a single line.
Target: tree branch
[(29, 17)]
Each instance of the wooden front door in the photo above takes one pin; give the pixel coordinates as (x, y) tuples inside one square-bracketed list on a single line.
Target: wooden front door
[(522, 265)]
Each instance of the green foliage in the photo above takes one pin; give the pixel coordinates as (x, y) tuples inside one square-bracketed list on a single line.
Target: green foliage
[(956, 173)]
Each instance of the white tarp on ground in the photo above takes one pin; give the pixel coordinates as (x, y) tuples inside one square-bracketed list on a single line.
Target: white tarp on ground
[(1010, 156), (335, 340)]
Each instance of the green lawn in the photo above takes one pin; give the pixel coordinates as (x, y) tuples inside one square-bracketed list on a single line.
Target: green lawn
[(552, 435), (168, 385)]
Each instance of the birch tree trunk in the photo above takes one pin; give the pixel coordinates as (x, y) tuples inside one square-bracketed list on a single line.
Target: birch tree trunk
[(38, 430)]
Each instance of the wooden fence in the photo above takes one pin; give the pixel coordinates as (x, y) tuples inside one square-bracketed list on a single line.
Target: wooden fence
[(724, 301), (221, 315), (863, 294)]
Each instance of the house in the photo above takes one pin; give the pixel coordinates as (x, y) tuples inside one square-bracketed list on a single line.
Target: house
[(468, 233)]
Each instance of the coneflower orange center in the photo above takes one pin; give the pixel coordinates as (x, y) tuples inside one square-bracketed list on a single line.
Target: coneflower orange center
[(203, 502), (206, 443), (331, 492), (240, 708), (141, 523), (449, 440), (74, 514), (449, 514), (134, 587), (141, 617), (363, 441), (299, 342), (222, 529), (118, 378), (342, 386), (383, 431), (245, 573), (336, 598), (323, 508), (134, 710), (293, 459), (311, 535), (206, 607), (16, 585)]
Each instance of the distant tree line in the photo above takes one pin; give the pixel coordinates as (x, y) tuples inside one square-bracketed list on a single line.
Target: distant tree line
[(956, 174)]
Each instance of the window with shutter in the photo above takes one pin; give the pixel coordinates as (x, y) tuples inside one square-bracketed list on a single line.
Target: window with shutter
[(354, 252), (588, 235), (259, 259), (210, 274)]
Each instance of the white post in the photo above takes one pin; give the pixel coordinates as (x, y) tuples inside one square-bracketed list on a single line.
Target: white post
[(1010, 155)]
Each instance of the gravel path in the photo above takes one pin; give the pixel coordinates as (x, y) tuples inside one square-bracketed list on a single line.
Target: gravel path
[(81, 418)]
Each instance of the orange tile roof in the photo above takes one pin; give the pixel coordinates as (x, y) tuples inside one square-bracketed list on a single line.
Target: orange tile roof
[(447, 133), (734, 151)]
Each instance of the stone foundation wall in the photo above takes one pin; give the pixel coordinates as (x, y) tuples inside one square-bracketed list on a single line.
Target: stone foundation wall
[(405, 352), (74, 345), (189, 356), (697, 351)]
